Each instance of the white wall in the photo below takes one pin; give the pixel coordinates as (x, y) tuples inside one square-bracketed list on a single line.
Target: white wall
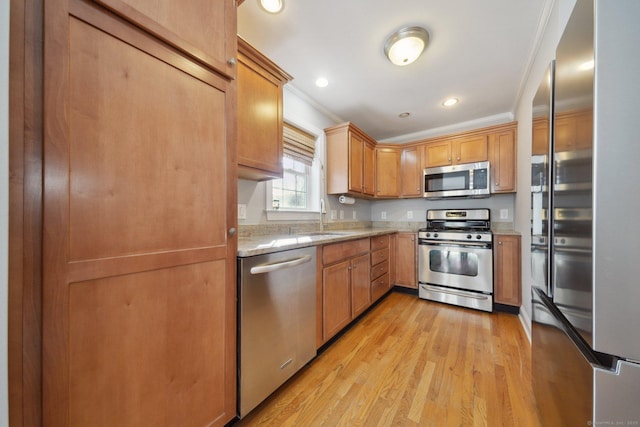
[(561, 10), (4, 207)]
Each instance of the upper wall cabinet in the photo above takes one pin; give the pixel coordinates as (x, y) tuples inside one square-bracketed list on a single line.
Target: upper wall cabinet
[(502, 158), (350, 161), (260, 116), (412, 171), (388, 172), (398, 169), (200, 31), (458, 150)]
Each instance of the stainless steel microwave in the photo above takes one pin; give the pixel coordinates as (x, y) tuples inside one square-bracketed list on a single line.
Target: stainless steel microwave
[(464, 180)]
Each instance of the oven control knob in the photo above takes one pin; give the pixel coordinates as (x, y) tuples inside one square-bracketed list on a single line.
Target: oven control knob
[(478, 237), (428, 235), (435, 234), (468, 236)]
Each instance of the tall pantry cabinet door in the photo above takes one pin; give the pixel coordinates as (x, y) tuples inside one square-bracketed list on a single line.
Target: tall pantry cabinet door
[(139, 181), (202, 30)]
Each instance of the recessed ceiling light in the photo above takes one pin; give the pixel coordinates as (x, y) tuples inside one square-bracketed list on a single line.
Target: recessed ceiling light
[(450, 102), (322, 82), (403, 115), (272, 6)]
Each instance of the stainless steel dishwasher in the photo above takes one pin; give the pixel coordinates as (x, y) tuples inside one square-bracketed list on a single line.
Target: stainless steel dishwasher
[(277, 306)]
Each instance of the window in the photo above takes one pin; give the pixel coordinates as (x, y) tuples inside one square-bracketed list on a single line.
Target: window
[(292, 191), (297, 195)]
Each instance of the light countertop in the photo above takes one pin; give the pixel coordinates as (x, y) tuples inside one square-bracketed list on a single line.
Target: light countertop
[(258, 245)]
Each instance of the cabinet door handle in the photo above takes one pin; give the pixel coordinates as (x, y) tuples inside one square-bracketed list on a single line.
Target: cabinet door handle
[(232, 61), (499, 243)]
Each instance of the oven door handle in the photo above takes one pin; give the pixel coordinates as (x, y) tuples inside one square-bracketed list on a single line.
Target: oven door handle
[(481, 245), (456, 293)]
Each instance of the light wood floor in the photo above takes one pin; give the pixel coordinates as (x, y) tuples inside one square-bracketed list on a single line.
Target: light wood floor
[(411, 362)]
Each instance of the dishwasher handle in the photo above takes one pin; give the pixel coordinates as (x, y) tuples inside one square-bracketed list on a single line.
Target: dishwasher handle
[(268, 268)]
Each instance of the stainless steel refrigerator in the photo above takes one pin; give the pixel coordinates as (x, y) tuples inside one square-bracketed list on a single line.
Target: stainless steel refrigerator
[(585, 205)]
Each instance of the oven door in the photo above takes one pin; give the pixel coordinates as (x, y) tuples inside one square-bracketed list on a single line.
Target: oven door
[(462, 265)]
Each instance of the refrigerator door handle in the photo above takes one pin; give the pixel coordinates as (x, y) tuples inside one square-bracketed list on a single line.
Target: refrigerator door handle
[(597, 360)]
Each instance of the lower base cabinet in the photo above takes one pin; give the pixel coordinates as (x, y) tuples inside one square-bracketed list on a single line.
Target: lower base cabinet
[(336, 298), (406, 260), (345, 284), (507, 259), (352, 276), (380, 255)]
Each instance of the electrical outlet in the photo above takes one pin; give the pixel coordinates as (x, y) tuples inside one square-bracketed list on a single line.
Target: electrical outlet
[(383, 215), (334, 214), (504, 213), (409, 214), (355, 216), (242, 211), (341, 214)]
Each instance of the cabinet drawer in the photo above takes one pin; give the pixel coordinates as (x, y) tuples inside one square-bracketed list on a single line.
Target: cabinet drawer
[(379, 269), (378, 256), (379, 287), (341, 251), (380, 242)]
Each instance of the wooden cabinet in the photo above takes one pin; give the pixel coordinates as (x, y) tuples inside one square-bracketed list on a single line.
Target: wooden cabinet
[(406, 260), (360, 285), (502, 157), (411, 171), (138, 275), (380, 252), (350, 161), (507, 260), (260, 115), (346, 284), (336, 298), (398, 171), (369, 169), (388, 177), (457, 150)]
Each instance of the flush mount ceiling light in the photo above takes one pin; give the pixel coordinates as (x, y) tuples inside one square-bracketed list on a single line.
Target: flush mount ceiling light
[(404, 115), (272, 6), (406, 45)]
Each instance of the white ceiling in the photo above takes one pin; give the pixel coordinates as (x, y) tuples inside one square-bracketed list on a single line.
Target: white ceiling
[(480, 52)]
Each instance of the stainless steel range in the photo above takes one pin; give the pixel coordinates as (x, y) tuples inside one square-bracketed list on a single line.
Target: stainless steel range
[(455, 258)]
